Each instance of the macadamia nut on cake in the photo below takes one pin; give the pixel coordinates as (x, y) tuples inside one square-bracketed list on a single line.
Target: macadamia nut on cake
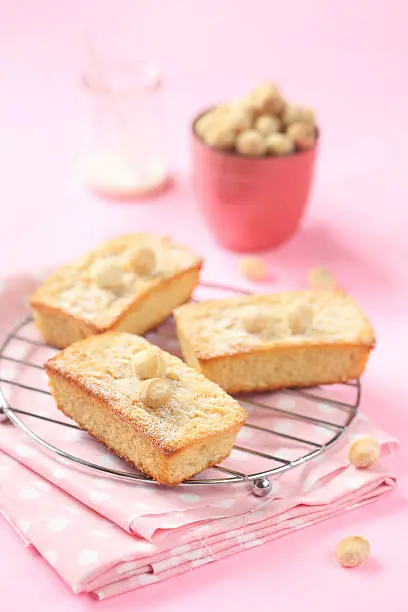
[(131, 283), (291, 339)]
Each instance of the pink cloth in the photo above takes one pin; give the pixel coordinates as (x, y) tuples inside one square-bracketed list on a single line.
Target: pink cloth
[(107, 537)]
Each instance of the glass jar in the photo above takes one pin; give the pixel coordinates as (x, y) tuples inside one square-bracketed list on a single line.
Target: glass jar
[(123, 149)]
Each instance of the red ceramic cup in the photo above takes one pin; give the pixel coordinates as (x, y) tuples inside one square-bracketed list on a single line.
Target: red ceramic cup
[(251, 204)]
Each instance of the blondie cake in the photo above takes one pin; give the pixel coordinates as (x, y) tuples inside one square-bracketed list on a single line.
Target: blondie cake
[(146, 405), (130, 283), (259, 342)]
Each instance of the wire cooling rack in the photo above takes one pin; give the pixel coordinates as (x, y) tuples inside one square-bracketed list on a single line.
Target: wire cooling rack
[(303, 448)]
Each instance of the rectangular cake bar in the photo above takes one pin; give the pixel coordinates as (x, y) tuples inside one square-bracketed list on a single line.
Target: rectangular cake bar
[(146, 405), (130, 283), (260, 342)]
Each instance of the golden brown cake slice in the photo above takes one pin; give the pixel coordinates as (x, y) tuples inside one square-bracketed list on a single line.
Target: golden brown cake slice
[(145, 404), (130, 283), (293, 339)]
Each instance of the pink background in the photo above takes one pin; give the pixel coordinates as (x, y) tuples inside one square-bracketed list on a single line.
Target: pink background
[(348, 59)]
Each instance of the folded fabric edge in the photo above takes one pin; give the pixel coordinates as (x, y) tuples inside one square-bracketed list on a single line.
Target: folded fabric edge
[(230, 547)]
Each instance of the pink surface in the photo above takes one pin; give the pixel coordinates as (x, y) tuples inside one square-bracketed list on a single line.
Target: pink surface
[(345, 58)]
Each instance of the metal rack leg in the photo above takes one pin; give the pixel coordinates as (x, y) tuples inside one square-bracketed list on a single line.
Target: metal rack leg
[(261, 487), (3, 416)]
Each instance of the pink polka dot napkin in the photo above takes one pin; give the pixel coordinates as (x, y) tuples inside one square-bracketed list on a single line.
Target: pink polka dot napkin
[(107, 536)]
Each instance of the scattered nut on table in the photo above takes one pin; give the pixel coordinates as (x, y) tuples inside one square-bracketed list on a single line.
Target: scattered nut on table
[(364, 452), (320, 278), (253, 268), (155, 392), (352, 551), (149, 363)]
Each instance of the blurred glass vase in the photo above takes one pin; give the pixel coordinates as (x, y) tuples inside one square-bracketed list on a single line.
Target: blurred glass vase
[(123, 150)]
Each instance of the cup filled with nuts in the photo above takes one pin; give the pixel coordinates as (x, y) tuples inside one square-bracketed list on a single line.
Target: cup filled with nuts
[(253, 165)]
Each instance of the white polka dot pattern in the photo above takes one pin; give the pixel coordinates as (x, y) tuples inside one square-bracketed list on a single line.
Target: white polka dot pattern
[(355, 482), (103, 535), (309, 482), (225, 503), (245, 434), (60, 473), (326, 408), (51, 556), (42, 485), (237, 455), (23, 451), (58, 524), (24, 524), (88, 556), (71, 509), (284, 426), (73, 435), (189, 498), (286, 403), (28, 493), (105, 483), (98, 496)]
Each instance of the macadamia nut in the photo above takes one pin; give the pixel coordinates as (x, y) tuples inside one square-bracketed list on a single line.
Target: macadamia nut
[(155, 392), (294, 113), (210, 120), (352, 551), (239, 118), (221, 136), (300, 318), (142, 261), (253, 268), (254, 320), (203, 124), (266, 99), (149, 363), (303, 135), (320, 278), (279, 144), (364, 452), (250, 143), (267, 124), (259, 123), (107, 274)]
